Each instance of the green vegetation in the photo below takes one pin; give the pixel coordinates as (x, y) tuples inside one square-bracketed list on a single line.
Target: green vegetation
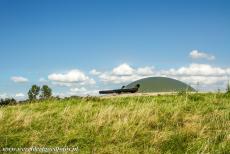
[(228, 88), (183, 123), (7, 101), (46, 92), (33, 92)]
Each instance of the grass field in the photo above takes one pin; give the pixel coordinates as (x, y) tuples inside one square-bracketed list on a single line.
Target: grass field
[(185, 123)]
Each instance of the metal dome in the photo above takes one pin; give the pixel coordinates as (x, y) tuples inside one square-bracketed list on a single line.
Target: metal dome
[(160, 84)]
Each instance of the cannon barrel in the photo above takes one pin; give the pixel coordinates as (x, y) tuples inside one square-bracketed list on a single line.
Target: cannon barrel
[(122, 90)]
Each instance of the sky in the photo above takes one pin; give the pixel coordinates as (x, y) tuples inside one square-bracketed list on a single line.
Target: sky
[(80, 47)]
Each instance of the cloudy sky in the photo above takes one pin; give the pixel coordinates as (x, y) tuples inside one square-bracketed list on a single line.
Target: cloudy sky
[(79, 47)]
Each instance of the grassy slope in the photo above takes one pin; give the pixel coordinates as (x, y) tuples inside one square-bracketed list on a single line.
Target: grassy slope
[(144, 124)]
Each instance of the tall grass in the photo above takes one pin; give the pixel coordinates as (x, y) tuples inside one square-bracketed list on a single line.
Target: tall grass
[(190, 123)]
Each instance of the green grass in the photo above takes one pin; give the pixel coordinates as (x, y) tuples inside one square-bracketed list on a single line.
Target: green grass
[(194, 123)]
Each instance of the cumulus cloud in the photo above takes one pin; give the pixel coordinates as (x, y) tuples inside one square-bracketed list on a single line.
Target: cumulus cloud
[(72, 77), (198, 70), (204, 80), (19, 95), (125, 73), (94, 72), (145, 71), (204, 74), (199, 74), (82, 91), (19, 79), (195, 54), (3, 96), (123, 69), (110, 78), (43, 80), (63, 84)]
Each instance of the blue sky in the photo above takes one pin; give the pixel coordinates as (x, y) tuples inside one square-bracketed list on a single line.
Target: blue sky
[(47, 37)]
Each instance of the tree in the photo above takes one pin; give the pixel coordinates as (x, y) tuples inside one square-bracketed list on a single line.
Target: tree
[(46, 92), (33, 92)]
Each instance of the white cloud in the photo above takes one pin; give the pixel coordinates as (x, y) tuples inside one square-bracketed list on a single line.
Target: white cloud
[(63, 84), (73, 77), (95, 72), (82, 91), (43, 80), (198, 70), (19, 95), (110, 78), (19, 79), (204, 80), (123, 69), (3, 96), (195, 54), (124, 73), (199, 73), (205, 75), (145, 70)]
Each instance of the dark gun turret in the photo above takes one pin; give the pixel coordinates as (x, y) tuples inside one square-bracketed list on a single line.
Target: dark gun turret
[(122, 90)]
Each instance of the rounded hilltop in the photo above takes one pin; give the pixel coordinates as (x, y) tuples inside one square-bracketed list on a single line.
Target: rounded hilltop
[(160, 84)]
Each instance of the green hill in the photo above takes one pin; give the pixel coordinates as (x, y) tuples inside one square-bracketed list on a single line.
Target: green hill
[(160, 84), (194, 123)]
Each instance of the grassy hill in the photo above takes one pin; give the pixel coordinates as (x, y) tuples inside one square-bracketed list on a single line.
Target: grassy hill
[(194, 123)]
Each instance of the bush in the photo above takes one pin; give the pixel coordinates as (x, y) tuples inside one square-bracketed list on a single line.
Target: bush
[(7, 101)]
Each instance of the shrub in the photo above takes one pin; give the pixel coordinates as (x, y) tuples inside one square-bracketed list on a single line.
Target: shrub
[(7, 101)]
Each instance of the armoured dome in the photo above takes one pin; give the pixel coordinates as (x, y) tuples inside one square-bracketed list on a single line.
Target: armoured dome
[(160, 84)]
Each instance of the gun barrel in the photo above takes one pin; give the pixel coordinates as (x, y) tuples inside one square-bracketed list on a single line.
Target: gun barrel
[(118, 91)]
